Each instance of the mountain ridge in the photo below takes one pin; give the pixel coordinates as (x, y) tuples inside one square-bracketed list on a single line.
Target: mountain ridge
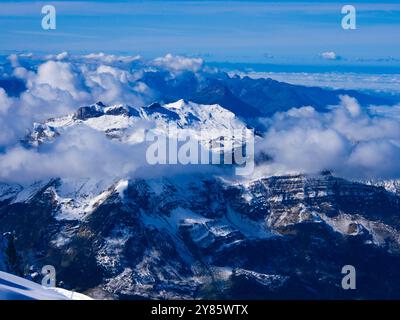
[(180, 230)]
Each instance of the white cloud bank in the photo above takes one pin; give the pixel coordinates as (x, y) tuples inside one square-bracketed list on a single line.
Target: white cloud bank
[(347, 140), (179, 63), (81, 152)]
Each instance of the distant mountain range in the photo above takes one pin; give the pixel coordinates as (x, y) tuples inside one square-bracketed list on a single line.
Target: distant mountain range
[(249, 98)]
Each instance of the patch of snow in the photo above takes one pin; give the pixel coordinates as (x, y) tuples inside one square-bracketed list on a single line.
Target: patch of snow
[(61, 122), (110, 122), (249, 228), (80, 197), (109, 255), (185, 216), (121, 186), (378, 230), (270, 280), (389, 185), (8, 191), (16, 288), (29, 192)]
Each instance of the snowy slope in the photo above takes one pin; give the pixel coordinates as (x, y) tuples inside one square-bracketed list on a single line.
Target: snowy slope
[(205, 123), (16, 288)]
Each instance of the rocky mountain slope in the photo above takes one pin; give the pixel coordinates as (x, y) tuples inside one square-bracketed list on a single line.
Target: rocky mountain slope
[(284, 237)]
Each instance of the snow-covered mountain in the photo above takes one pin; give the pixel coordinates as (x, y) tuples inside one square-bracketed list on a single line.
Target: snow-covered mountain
[(392, 185), (197, 235), (127, 124), (203, 237)]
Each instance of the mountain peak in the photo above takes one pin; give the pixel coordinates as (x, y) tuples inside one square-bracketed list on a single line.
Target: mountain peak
[(87, 112), (177, 105), (116, 119)]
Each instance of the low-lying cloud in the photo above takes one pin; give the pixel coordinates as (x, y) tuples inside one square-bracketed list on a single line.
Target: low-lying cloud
[(81, 152), (330, 55), (348, 140)]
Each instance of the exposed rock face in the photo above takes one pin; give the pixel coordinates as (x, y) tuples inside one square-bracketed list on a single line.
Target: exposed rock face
[(279, 237), (88, 112)]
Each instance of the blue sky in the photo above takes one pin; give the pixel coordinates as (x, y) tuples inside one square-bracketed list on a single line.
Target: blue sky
[(259, 32)]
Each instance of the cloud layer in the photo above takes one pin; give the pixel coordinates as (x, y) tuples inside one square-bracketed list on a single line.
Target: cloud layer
[(348, 140), (58, 85)]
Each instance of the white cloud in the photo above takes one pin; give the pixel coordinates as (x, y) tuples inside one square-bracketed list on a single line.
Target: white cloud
[(5, 101), (381, 157), (13, 58), (81, 152), (178, 63), (329, 55), (351, 105), (59, 75), (347, 140), (110, 58), (60, 56)]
